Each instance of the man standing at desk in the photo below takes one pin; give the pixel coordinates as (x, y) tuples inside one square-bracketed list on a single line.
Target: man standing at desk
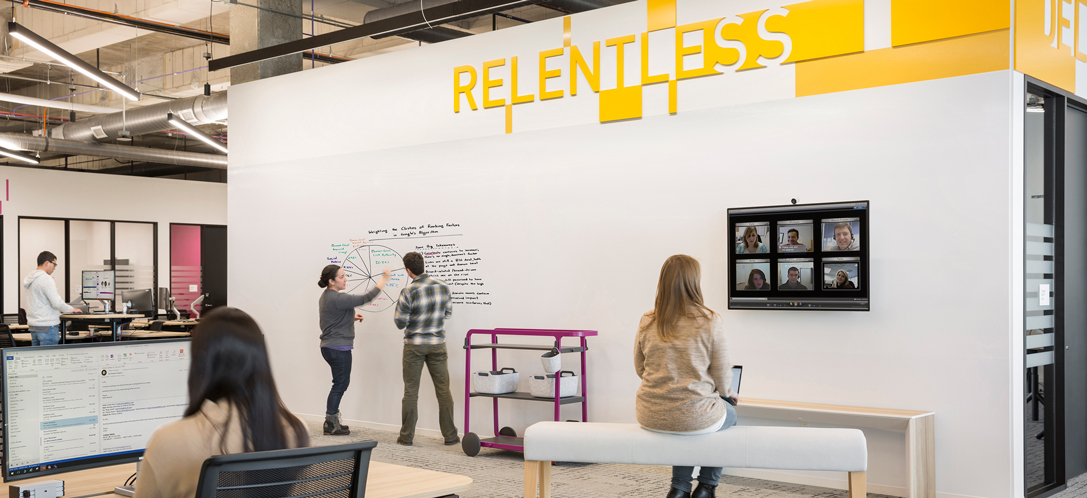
[(44, 303), (421, 311)]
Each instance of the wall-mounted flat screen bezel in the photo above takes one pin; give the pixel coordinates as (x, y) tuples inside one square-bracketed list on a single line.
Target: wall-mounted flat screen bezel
[(49, 468), (813, 239)]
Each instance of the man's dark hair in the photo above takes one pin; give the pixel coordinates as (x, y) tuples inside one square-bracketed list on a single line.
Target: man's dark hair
[(793, 230), (46, 256), (413, 261), (792, 269)]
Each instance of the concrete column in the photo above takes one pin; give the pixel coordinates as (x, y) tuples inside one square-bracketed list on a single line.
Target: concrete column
[(251, 29)]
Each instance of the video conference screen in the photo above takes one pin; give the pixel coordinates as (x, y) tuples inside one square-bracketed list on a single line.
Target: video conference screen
[(805, 256)]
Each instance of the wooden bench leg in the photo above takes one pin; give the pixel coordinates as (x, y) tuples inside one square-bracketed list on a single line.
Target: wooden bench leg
[(532, 473), (857, 485), (545, 479)]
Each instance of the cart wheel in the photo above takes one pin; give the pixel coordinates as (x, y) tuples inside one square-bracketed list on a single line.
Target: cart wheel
[(573, 421), (470, 444), (508, 432)]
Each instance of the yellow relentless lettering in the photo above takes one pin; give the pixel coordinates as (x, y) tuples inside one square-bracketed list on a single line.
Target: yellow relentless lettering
[(1079, 54), (488, 84), (514, 98), (466, 89), (646, 78), (1064, 23), (618, 44), (747, 33), (683, 51), (577, 61), (546, 75)]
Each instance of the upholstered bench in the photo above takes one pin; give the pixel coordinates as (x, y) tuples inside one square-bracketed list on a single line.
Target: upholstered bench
[(781, 448)]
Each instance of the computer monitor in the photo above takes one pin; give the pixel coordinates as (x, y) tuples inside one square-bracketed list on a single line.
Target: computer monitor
[(99, 284), (79, 406), (141, 300)]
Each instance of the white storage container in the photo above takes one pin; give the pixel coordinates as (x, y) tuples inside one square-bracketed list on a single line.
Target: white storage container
[(543, 386), (492, 382), (552, 361)]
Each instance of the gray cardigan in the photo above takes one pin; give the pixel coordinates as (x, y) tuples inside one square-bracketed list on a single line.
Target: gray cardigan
[(338, 316)]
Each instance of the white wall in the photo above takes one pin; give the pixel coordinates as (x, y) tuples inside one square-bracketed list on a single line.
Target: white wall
[(68, 194), (573, 220)]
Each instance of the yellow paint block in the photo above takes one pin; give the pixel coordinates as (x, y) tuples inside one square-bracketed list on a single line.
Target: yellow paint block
[(822, 28), (661, 14), (916, 21), (1034, 51), (621, 103), (960, 56)]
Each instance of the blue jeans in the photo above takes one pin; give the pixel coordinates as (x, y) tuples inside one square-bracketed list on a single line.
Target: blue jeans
[(681, 476), (340, 361), (44, 336)]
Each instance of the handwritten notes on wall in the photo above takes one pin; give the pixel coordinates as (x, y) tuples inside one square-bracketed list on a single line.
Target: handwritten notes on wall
[(446, 254)]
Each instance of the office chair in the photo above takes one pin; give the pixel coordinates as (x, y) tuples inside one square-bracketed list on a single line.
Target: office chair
[(155, 326), (22, 317), (6, 339), (333, 471)]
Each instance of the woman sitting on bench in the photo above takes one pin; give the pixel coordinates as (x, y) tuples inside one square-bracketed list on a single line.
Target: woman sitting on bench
[(681, 356)]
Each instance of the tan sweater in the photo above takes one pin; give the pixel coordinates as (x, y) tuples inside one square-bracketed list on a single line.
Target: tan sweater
[(171, 465), (682, 380)]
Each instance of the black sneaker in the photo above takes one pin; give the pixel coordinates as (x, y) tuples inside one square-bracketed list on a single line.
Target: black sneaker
[(333, 428), (676, 493), (402, 442), (451, 443)]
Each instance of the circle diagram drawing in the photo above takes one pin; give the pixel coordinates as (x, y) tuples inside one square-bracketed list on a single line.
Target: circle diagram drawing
[(363, 267)]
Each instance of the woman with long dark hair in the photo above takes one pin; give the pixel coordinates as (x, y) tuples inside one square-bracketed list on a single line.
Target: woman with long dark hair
[(681, 356), (338, 317), (234, 407)]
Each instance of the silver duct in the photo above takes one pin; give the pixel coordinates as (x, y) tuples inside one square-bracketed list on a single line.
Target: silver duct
[(19, 141), (142, 120)]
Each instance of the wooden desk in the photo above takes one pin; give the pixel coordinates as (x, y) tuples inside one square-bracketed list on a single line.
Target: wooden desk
[(25, 336), (919, 426), (19, 327), (384, 480)]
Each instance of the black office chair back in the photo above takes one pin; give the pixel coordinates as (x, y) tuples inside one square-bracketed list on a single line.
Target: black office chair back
[(326, 471), (6, 339), (22, 316), (156, 326)]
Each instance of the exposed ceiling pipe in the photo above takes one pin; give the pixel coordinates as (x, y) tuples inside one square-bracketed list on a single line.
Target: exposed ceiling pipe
[(56, 104), (575, 6), (21, 141), (435, 34), (148, 119)]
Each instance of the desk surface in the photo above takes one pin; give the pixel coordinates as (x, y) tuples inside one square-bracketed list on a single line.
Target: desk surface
[(819, 413), (25, 336), (168, 323), (19, 327), (384, 480), (98, 316)]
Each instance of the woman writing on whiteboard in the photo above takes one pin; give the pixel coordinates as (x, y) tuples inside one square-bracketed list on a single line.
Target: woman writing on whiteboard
[(682, 358), (234, 407), (337, 312)]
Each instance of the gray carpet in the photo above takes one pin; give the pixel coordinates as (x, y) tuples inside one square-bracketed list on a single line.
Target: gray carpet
[(499, 473)]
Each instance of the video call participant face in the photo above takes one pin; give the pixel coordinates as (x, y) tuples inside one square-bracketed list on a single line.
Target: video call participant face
[(757, 280), (843, 236), (751, 238), (841, 278), (794, 237), (794, 276)]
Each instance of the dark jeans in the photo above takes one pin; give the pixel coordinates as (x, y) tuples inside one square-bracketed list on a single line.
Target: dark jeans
[(681, 476), (340, 361), (435, 358)]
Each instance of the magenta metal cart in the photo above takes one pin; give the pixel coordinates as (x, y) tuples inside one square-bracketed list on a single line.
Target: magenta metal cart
[(506, 438)]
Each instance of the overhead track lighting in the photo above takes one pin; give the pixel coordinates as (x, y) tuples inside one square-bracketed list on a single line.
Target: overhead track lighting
[(20, 155), (196, 133), (55, 52)]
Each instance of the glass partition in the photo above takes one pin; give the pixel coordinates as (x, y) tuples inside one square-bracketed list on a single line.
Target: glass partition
[(36, 236)]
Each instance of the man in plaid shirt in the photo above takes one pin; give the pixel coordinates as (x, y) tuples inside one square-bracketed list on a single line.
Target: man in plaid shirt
[(421, 311)]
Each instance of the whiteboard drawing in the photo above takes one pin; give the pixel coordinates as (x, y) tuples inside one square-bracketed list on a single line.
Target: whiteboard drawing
[(363, 267)]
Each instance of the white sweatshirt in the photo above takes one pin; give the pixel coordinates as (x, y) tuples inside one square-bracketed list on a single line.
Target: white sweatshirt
[(44, 304)]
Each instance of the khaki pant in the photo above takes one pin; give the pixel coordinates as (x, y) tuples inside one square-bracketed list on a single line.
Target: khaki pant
[(436, 360)]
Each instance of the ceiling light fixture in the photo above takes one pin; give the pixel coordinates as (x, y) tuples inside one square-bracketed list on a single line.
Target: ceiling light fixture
[(55, 52), (196, 133), (20, 155)]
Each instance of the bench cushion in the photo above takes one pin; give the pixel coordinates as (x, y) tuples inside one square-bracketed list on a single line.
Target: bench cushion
[(758, 447)]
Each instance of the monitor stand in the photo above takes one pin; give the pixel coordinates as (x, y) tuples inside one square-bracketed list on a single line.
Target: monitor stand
[(130, 490), (106, 303)]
